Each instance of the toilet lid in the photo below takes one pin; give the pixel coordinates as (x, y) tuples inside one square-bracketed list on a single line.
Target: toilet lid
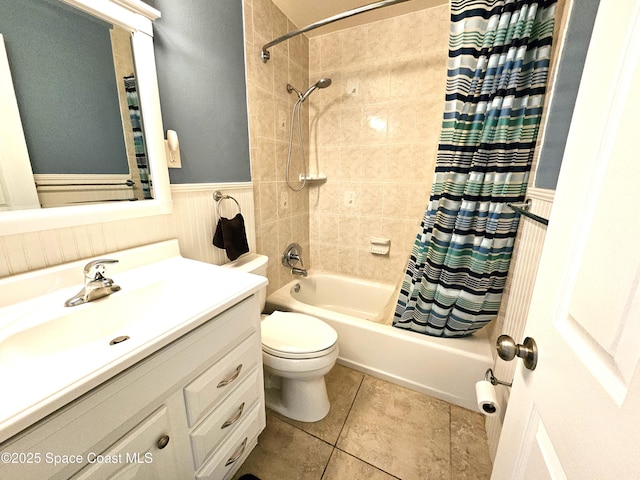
[(296, 335)]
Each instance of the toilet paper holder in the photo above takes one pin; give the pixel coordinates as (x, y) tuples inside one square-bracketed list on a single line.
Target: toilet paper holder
[(490, 377)]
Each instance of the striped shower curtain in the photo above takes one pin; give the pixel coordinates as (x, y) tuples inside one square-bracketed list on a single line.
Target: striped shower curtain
[(133, 103), (497, 73)]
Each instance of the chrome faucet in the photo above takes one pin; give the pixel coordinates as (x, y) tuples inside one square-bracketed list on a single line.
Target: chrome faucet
[(298, 271), (96, 285), (291, 257)]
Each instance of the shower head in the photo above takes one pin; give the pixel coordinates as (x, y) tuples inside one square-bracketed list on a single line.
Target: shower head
[(322, 83)]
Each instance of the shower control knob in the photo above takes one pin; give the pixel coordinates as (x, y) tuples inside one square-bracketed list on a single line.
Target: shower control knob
[(508, 349)]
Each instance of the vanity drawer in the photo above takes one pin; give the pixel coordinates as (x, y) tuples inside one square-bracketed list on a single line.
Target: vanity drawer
[(235, 450), (212, 431), (207, 390)]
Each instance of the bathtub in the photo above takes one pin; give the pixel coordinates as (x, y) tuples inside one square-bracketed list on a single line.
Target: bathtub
[(360, 311)]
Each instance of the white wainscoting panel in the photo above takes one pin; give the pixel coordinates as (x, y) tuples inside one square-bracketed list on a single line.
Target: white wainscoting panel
[(30, 251), (192, 222), (517, 298), (195, 220)]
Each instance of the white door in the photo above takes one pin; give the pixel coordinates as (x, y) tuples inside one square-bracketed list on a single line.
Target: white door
[(577, 415)]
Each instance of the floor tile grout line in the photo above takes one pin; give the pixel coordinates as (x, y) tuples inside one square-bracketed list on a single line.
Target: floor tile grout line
[(342, 428), (324, 470), (350, 408), (297, 427), (364, 461), (344, 413)]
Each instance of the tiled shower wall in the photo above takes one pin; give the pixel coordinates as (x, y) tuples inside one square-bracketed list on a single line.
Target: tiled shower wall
[(374, 133), (282, 215)]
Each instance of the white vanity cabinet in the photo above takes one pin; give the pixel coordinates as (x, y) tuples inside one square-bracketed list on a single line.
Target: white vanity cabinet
[(193, 409), (143, 453)]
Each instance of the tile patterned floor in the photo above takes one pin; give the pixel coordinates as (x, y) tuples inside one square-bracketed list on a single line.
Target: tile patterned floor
[(376, 431)]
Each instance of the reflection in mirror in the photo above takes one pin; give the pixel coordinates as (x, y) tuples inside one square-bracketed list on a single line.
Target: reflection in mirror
[(77, 98)]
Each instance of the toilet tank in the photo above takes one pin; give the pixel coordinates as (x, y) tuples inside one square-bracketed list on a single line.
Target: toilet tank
[(256, 264)]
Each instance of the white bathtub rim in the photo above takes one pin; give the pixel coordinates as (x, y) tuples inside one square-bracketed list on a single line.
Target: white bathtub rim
[(473, 345), (360, 281), (320, 278)]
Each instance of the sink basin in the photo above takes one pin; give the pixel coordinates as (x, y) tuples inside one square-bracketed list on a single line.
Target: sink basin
[(51, 354), (57, 329)]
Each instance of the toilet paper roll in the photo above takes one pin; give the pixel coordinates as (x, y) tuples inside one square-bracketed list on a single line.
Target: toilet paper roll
[(487, 400)]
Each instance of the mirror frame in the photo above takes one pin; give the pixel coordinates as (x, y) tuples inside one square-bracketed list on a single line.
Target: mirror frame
[(137, 18)]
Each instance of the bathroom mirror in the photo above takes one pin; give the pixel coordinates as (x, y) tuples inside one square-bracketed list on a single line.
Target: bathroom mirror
[(117, 152)]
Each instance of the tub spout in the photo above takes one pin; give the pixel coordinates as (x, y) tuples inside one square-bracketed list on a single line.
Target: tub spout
[(299, 271)]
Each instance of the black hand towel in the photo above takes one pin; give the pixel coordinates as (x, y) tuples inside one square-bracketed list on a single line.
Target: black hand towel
[(231, 235)]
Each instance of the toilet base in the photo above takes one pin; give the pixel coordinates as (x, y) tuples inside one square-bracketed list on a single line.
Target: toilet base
[(305, 400)]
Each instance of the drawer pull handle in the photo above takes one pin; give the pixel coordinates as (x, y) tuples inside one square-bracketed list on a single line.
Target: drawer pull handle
[(163, 441), (238, 453), (230, 379), (235, 418)]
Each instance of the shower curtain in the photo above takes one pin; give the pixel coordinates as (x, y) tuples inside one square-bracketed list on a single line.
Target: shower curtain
[(138, 138), (497, 72)]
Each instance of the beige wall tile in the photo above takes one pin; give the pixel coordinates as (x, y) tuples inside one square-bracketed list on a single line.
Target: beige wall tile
[(390, 99), (262, 18), (354, 46), (314, 57), (367, 132), (331, 52), (350, 163), (268, 201), (371, 203), (282, 214)]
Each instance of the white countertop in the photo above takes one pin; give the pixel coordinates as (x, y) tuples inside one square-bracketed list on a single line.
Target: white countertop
[(163, 297)]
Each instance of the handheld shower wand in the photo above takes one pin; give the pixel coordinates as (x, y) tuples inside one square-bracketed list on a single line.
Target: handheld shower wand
[(322, 83)]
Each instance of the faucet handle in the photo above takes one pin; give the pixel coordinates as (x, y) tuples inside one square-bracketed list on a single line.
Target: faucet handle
[(296, 258), (292, 255), (95, 268)]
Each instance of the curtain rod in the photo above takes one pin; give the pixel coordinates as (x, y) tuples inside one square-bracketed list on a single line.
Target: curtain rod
[(266, 55)]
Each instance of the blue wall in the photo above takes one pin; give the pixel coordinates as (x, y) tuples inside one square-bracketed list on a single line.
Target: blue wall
[(566, 91), (199, 48), (63, 75)]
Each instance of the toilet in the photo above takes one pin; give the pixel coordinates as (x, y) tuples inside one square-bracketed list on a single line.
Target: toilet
[(298, 350)]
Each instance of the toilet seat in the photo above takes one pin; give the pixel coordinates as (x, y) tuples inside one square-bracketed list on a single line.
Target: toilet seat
[(297, 336)]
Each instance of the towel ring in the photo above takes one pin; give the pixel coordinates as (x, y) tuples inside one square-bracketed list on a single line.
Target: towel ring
[(218, 196)]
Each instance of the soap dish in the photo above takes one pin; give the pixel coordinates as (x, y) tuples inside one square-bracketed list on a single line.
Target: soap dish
[(313, 178), (379, 246)]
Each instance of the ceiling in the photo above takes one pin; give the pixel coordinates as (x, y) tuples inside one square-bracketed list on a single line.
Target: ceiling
[(306, 12)]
